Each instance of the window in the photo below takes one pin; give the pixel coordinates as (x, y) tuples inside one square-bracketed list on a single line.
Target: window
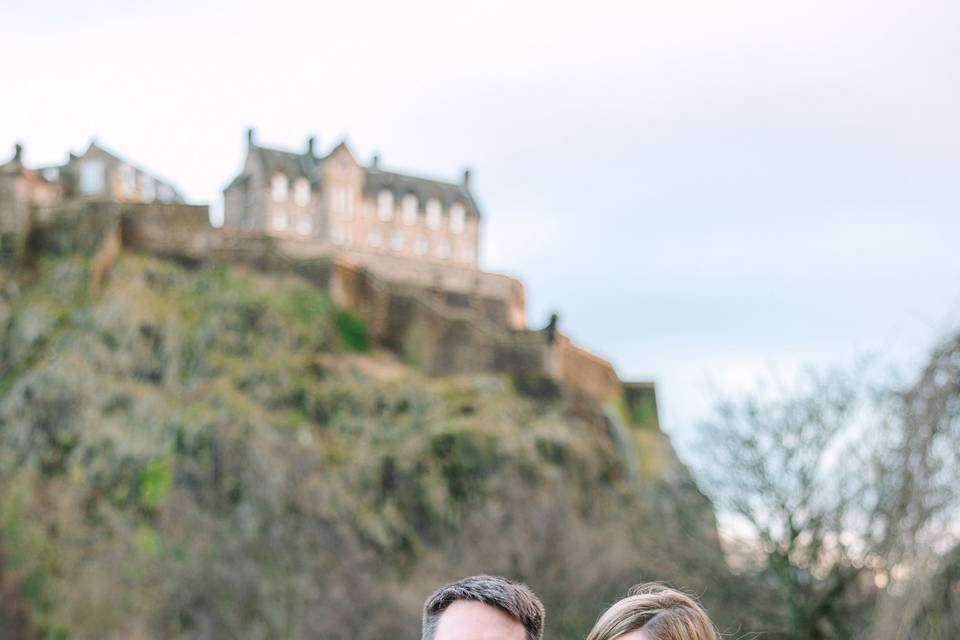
[(92, 177), (280, 221), (410, 209), (128, 180), (301, 192), (458, 216), (343, 201), (374, 238), (304, 226), (148, 189), (397, 241), (385, 205), (339, 236), (468, 254), (434, 213), (278, 188), (421, 246), (443, 248)]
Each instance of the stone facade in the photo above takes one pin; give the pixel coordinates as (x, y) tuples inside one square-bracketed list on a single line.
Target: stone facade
[(334, 200)]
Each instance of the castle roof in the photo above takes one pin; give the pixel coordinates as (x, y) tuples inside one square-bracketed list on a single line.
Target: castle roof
[(290, 163), (424, 188), (303, 164), (97, 150)]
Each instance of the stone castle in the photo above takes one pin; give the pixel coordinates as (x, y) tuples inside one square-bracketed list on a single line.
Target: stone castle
[(399, 251)]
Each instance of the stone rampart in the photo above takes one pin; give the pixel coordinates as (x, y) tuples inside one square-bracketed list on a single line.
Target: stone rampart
[(444, 322)]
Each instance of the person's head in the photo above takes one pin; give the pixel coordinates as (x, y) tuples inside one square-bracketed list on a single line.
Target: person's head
[(654, 612), (483, 608)]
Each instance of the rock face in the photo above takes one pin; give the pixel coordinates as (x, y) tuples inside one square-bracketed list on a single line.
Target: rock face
[(218, 453)]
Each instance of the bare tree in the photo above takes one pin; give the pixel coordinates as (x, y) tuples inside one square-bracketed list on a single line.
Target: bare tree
[(919, 509), (786, 464), (848, 492)]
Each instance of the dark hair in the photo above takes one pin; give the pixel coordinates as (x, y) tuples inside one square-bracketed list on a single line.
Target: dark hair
[(513, 597)]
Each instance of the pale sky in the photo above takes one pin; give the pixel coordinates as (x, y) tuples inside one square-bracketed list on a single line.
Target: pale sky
[(703, 190)]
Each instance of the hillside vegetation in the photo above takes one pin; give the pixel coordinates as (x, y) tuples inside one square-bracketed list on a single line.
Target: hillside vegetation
[(220, 453)]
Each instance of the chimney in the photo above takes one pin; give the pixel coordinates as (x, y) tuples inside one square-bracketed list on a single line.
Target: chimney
[(375, 163), (17, 152), (466, 178), (312, 146), (250, 133)]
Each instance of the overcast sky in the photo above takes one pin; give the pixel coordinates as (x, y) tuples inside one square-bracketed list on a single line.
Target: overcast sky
[(703, 190)]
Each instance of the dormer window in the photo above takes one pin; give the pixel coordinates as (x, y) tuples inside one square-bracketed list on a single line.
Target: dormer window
[(385, 205), (148, 189), (410, 209), (458, 217), (128, 180), (92, 177), (278, 188), (434, 213), (301, 192)]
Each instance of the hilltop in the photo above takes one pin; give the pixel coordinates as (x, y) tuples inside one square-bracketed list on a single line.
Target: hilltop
[(211, 451)]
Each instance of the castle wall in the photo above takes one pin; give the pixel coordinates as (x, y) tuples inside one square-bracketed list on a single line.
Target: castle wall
[(176, 230), (14, 214), (588, 373), (77, 226), (444, 322)]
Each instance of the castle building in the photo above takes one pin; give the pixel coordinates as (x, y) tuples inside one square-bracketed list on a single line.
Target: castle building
[(96, 174), (100, 174), (22, 188), (334, 200), (397, 250)]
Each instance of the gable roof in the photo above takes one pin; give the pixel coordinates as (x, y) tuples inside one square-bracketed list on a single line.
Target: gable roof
[(95, 148), (98, 150), (302, 164), (424, 188), (290, 163)]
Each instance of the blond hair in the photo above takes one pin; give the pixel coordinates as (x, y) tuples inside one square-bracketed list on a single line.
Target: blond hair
[(662, 613)]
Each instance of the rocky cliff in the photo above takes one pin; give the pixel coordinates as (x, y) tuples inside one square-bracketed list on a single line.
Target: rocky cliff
[(217, 453)]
